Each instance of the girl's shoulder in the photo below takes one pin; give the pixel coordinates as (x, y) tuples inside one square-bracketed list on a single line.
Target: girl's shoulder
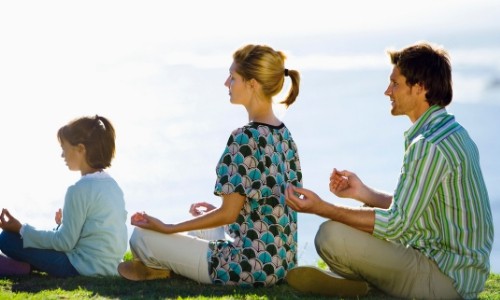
[(92, 184), (92, 179)]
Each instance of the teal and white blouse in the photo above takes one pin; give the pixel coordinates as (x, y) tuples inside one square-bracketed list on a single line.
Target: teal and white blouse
[(258, 162)]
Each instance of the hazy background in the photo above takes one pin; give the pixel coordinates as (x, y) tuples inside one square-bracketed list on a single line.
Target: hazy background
[(156, 69)]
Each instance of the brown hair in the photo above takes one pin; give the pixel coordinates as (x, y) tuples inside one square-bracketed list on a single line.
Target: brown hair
[(429, 66), (266, 66), (96, 134)]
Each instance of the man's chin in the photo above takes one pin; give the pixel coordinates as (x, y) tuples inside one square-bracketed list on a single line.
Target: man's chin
[(395, 112)]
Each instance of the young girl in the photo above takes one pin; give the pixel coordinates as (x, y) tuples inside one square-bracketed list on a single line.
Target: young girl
[(92, 238), (259, 161)]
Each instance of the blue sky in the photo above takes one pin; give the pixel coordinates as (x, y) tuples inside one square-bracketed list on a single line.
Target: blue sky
[(62, 59)]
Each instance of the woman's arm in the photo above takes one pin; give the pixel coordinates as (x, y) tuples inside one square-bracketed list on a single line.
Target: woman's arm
[(362, 218), (226, 214)]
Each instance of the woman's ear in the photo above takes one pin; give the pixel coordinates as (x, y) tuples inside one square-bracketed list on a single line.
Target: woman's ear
[(254, 84)]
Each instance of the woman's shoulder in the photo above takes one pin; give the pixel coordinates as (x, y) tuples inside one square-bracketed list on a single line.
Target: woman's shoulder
[(255, 131), (279, 126), (240, 130), (259, 127)]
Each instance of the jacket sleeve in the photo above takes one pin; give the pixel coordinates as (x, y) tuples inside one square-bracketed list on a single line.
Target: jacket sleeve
[(64, 239)]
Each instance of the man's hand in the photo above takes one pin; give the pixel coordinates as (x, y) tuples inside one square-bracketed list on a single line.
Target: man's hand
[(345, 184)]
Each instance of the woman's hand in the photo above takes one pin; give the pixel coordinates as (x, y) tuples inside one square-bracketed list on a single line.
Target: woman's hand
[(143, 220), (199, 208), (303, 200)]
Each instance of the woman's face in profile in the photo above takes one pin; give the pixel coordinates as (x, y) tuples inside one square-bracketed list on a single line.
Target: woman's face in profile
[(238, 87)]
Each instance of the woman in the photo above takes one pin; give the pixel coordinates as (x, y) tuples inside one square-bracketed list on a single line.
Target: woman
[(92, 237), (259, 161)]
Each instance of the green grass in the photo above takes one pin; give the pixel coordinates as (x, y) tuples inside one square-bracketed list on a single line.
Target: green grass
[(40, 286)]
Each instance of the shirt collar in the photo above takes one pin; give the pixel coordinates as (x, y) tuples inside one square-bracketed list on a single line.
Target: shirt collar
[(100, 175), (429, 117)]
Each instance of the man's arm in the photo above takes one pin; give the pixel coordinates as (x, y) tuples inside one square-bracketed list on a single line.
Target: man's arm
[(346, 184)]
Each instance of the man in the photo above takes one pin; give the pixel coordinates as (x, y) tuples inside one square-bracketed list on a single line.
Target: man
[(432, 238)]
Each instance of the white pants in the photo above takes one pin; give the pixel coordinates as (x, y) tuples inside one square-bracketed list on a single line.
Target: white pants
[(184, 254), (209, 234)]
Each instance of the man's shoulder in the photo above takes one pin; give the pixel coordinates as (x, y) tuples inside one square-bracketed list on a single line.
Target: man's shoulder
[(441, 129), (446, 136)]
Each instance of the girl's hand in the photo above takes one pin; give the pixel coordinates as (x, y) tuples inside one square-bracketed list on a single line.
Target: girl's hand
[(8, 222), (58, 217)]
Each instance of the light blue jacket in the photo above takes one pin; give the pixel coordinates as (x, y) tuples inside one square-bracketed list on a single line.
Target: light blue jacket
[(93, 232)]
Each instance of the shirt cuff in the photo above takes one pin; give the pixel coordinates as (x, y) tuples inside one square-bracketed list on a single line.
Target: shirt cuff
[(21, 230), (381, 221)]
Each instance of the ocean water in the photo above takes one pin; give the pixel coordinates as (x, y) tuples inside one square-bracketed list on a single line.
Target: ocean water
[(173, 118)]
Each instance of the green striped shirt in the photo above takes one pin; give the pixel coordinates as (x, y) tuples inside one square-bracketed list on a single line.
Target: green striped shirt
[(441, 204)]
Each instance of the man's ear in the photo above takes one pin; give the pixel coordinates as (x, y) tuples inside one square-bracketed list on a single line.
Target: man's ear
[(420, 88)]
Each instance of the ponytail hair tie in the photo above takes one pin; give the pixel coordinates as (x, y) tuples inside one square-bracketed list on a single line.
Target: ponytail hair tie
[(286, 72)]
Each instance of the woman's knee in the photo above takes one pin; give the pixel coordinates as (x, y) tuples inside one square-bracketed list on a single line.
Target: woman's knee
[(136, 237)]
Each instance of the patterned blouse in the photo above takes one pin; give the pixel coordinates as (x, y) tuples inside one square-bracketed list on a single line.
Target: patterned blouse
[(258, 162)]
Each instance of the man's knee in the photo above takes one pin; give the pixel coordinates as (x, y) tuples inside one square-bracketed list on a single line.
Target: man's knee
[(327, 236)]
